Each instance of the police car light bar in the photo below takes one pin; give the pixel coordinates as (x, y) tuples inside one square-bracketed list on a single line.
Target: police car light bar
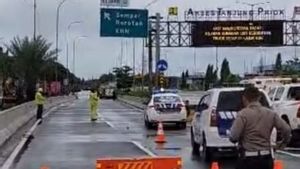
[(162, 90)]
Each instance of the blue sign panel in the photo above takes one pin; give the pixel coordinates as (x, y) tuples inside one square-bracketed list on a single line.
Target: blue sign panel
[(124, 22), (162, 65)]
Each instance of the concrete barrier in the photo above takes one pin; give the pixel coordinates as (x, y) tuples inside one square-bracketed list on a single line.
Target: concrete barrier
[(14, 118), (136, 102)]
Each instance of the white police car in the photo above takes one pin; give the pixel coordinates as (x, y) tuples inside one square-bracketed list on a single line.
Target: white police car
[(211, 124), (165, 107), (286, 101)]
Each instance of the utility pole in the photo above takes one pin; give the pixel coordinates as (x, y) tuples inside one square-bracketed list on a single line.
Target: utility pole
[(133, 61), (217, 48), (150, 59), (157, 45), (34, 19), (143, 63), (122, 51)]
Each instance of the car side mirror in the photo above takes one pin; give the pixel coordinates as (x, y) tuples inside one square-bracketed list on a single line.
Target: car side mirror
[(202, 107)]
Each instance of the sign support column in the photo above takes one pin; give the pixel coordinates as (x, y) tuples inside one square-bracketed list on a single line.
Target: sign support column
[(157, 45), (150, 60)]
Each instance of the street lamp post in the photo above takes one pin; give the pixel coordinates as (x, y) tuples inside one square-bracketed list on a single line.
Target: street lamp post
[(74, 50), (34, 19), (67, 47), (150, 3), (67, 39), (57, 34)]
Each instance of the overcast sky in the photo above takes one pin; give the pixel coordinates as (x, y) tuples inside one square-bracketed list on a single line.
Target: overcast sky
[(97, 55)]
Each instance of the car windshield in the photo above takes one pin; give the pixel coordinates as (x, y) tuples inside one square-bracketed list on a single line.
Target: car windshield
[(166, 99), (232, 101)]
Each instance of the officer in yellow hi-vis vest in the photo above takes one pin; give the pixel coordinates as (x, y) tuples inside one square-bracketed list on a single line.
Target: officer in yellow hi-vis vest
[(39, 101), (93, 101)]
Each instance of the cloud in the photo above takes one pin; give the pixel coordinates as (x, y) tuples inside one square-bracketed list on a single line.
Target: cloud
[(97, 55)]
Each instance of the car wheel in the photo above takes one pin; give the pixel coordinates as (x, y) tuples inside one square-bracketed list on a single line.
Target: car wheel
[(195, 146), (206, 152), (296, 138)]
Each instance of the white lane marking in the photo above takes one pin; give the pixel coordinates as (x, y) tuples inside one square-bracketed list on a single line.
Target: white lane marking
[(10, 161), (147, 151), (289, 154), (109, 123)]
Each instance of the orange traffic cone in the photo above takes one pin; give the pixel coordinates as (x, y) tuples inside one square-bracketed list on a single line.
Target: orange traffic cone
[(278, 164), (44, 167), (160, 136), (215, 165)]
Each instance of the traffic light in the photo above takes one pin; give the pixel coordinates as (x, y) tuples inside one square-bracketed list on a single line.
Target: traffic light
[(162, 80)]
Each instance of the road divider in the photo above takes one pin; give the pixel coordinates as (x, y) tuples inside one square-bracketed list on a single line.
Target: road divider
[(14, 118), (50, 106), (135, 102), (140, 163)]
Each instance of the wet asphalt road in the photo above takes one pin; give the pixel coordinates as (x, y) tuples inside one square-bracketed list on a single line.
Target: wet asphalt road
[(68, 140)]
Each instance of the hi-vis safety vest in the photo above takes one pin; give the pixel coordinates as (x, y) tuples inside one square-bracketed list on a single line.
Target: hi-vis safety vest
[(39, 98), (94, 98)]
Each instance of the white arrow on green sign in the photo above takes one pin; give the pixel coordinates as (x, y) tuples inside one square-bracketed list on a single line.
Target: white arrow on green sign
[(124, 22)]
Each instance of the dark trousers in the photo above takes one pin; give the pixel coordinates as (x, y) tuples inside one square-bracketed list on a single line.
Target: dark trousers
[(39, 113), (257, 162)]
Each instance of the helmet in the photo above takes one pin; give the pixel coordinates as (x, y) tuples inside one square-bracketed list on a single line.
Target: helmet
[(40, 90)]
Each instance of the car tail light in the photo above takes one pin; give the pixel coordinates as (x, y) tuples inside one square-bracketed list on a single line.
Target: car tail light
[(298, 112), (156, 107), (179, 105), (213, 118)]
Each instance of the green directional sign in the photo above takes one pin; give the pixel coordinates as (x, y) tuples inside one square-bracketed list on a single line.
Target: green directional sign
[(124, 22)]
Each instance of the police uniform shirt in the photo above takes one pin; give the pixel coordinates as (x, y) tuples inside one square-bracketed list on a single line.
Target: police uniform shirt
[(253, 127)]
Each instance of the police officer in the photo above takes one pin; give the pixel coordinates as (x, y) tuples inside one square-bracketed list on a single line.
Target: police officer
[(93, 101), (252, 130), (40, 101)]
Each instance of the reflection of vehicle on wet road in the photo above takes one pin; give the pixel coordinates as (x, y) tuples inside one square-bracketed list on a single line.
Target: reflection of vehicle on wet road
[(286, 101), (216, 112), (166, 108)]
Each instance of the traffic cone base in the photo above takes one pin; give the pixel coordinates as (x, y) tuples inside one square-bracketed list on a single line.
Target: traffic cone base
[(44, 167), (160, 137), (215, 165), (278, 164)]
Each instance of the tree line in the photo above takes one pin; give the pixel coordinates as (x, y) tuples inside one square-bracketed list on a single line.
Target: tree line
[(211, 77), (30, 61), (288, 68)]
